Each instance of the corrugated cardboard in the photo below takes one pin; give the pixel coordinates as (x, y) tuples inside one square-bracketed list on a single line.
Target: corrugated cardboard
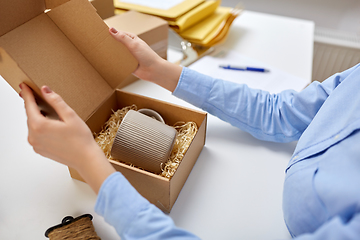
[(18, 12), (153, 30), (70, 50), (105, 8), (158, 190)]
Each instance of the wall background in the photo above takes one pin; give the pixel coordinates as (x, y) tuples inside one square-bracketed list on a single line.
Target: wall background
[(343, 15), (337, 29)]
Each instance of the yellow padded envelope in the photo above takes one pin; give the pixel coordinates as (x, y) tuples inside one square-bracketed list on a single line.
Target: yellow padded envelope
[(204, 31), (170, 14), (194, 16)]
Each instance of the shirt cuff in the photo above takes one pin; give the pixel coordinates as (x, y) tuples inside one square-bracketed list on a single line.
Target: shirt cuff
[(118, 202)]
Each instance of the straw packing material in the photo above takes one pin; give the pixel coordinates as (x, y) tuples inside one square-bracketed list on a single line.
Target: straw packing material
[(186, 132)]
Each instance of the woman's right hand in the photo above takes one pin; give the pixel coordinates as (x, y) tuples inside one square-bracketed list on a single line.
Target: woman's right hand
[(151, 67), (68, 141)]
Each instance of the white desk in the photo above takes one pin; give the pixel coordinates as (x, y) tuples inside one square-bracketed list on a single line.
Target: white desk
[(234, 190), (285, 43)]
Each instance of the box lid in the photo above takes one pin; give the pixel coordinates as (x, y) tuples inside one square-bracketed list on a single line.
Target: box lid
[(16, 12), (50, 4), (69, 49), (147, 27)]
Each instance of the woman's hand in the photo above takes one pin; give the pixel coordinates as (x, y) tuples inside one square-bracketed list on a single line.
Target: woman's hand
[(151, 67), (68, 141)]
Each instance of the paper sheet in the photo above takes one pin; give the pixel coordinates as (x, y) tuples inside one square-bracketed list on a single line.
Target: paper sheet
[(159, 4), (274, 81)]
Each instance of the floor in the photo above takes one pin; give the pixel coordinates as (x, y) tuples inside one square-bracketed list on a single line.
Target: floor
[(342, 15)]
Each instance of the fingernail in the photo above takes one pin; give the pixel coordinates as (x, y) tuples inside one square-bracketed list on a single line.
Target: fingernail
[(20, 86), (47, 89), (113, 30)]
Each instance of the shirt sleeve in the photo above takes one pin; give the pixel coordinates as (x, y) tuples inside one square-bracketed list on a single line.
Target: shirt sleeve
[(336, 228), (132, 215), (278, 117)]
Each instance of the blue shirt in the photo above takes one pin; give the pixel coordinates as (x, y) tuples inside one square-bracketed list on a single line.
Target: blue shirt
[(321, 197)]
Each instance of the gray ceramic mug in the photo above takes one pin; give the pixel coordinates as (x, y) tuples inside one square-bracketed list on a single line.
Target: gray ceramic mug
[(143, 141)]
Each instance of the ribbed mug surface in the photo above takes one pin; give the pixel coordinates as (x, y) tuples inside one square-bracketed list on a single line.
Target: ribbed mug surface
[(143, 141)]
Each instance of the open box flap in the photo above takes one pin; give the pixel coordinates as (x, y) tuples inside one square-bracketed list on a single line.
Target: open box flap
[(143, 25), (13, 13), (47, 57), (88, 32), (9, 69), (54, 3)]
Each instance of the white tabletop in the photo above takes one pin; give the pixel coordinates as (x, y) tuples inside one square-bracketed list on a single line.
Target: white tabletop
[(234, 190), (285, 43)]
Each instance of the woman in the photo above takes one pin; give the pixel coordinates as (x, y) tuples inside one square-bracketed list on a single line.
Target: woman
[(321, 195)]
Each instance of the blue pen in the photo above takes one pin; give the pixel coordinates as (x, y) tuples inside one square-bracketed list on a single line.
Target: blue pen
[(241, 68)]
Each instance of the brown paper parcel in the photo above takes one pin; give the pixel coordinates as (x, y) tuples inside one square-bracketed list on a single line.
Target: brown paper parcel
[(69, 49)]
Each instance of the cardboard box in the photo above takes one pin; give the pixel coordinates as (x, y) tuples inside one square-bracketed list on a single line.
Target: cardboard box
[(160, 191), (69, 49), (153, 30), (105, 8)]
